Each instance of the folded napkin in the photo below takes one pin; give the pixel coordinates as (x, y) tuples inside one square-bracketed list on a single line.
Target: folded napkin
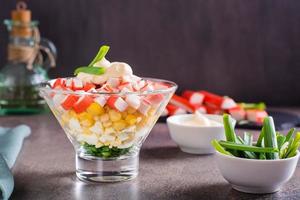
[(11, 140)]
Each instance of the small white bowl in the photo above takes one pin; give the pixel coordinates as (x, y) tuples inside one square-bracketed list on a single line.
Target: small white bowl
[(195, 139), (256, 176)]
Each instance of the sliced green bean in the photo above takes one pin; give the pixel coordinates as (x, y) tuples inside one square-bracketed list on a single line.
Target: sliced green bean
[(290, 134), (229, 128), (280, 140), (259, 143), (283, 150), (260, 138), (270, 137), (248, 138), (293, 146), (219, 148), (229, 131), (242, 147), (247, 154), (262, 156)]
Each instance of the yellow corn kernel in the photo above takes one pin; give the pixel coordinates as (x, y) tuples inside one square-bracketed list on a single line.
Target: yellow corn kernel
[(151, 111), (72, 113), (84, 116), (119, 125), (86, 131), (99, 144), (95, 109), (117, 142), (106, 124), (106, 108), (65, 118), (124, 115), (104, 118), (109, 131), (142, 121), (131, 119), (86, 119), (87, 123), (114, 115), (131, 110)]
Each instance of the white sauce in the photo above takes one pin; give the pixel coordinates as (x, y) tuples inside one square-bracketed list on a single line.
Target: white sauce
[(200, 120), (113, 70)]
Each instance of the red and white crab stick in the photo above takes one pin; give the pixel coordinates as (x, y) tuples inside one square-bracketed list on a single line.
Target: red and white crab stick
[(211, 109), (174, 110), (256, 115), (223, 103), (182, 103), (237, 113), (165, 113), (195, 98), (200, 108)]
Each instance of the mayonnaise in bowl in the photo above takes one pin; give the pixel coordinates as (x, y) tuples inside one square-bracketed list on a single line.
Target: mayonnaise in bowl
[(198, 119), (193, 133)]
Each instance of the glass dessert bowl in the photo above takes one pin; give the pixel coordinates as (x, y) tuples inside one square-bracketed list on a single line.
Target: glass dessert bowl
[(107, 122)]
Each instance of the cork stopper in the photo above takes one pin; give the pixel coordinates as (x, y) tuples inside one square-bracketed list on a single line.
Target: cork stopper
[(22, 18)]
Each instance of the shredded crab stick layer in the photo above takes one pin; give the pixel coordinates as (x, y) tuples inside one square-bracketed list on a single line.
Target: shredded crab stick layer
[(105, 104)]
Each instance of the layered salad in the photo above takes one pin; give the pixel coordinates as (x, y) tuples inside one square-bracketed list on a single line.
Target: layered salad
[(105, 108)]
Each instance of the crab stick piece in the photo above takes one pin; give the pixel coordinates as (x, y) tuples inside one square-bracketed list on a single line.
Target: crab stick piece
[(59, 83), (155, 98), (200, 108), (88, 86), (211, 109), (106, 88), (193, 97), (101, 100), (160, 86), (69, 101), (175, 110), (138, 85), (182, 103), (144, 107), (224, 103), (126, 85), (165, 113), (83, 103), (113, 82), (141, 84), (69, 83), (133, 100), (256, 116), (237, 113), (147, 87), (77, 84), (117, 103)]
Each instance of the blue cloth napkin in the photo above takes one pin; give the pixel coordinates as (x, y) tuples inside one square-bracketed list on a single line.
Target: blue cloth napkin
[(11, 140)]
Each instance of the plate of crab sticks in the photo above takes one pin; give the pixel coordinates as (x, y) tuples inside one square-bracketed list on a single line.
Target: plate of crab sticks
[(247, 115)]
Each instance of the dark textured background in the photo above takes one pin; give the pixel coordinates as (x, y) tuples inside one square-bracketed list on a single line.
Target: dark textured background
[(247, 49)]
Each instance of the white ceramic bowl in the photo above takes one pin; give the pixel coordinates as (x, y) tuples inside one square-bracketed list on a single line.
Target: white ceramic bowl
[(195, 139), (256, 176)]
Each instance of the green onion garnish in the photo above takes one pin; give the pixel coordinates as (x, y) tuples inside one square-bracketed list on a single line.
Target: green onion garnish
[(101, 53), (90, 70)]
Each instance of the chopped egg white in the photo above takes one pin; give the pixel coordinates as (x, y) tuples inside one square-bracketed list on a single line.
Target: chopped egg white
[(97, 128), (88, 138)]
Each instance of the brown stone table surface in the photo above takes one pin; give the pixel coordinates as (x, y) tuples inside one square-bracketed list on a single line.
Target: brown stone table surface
[(45, 170)]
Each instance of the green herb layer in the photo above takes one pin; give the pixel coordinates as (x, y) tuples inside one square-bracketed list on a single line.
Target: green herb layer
[(105, 151)]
